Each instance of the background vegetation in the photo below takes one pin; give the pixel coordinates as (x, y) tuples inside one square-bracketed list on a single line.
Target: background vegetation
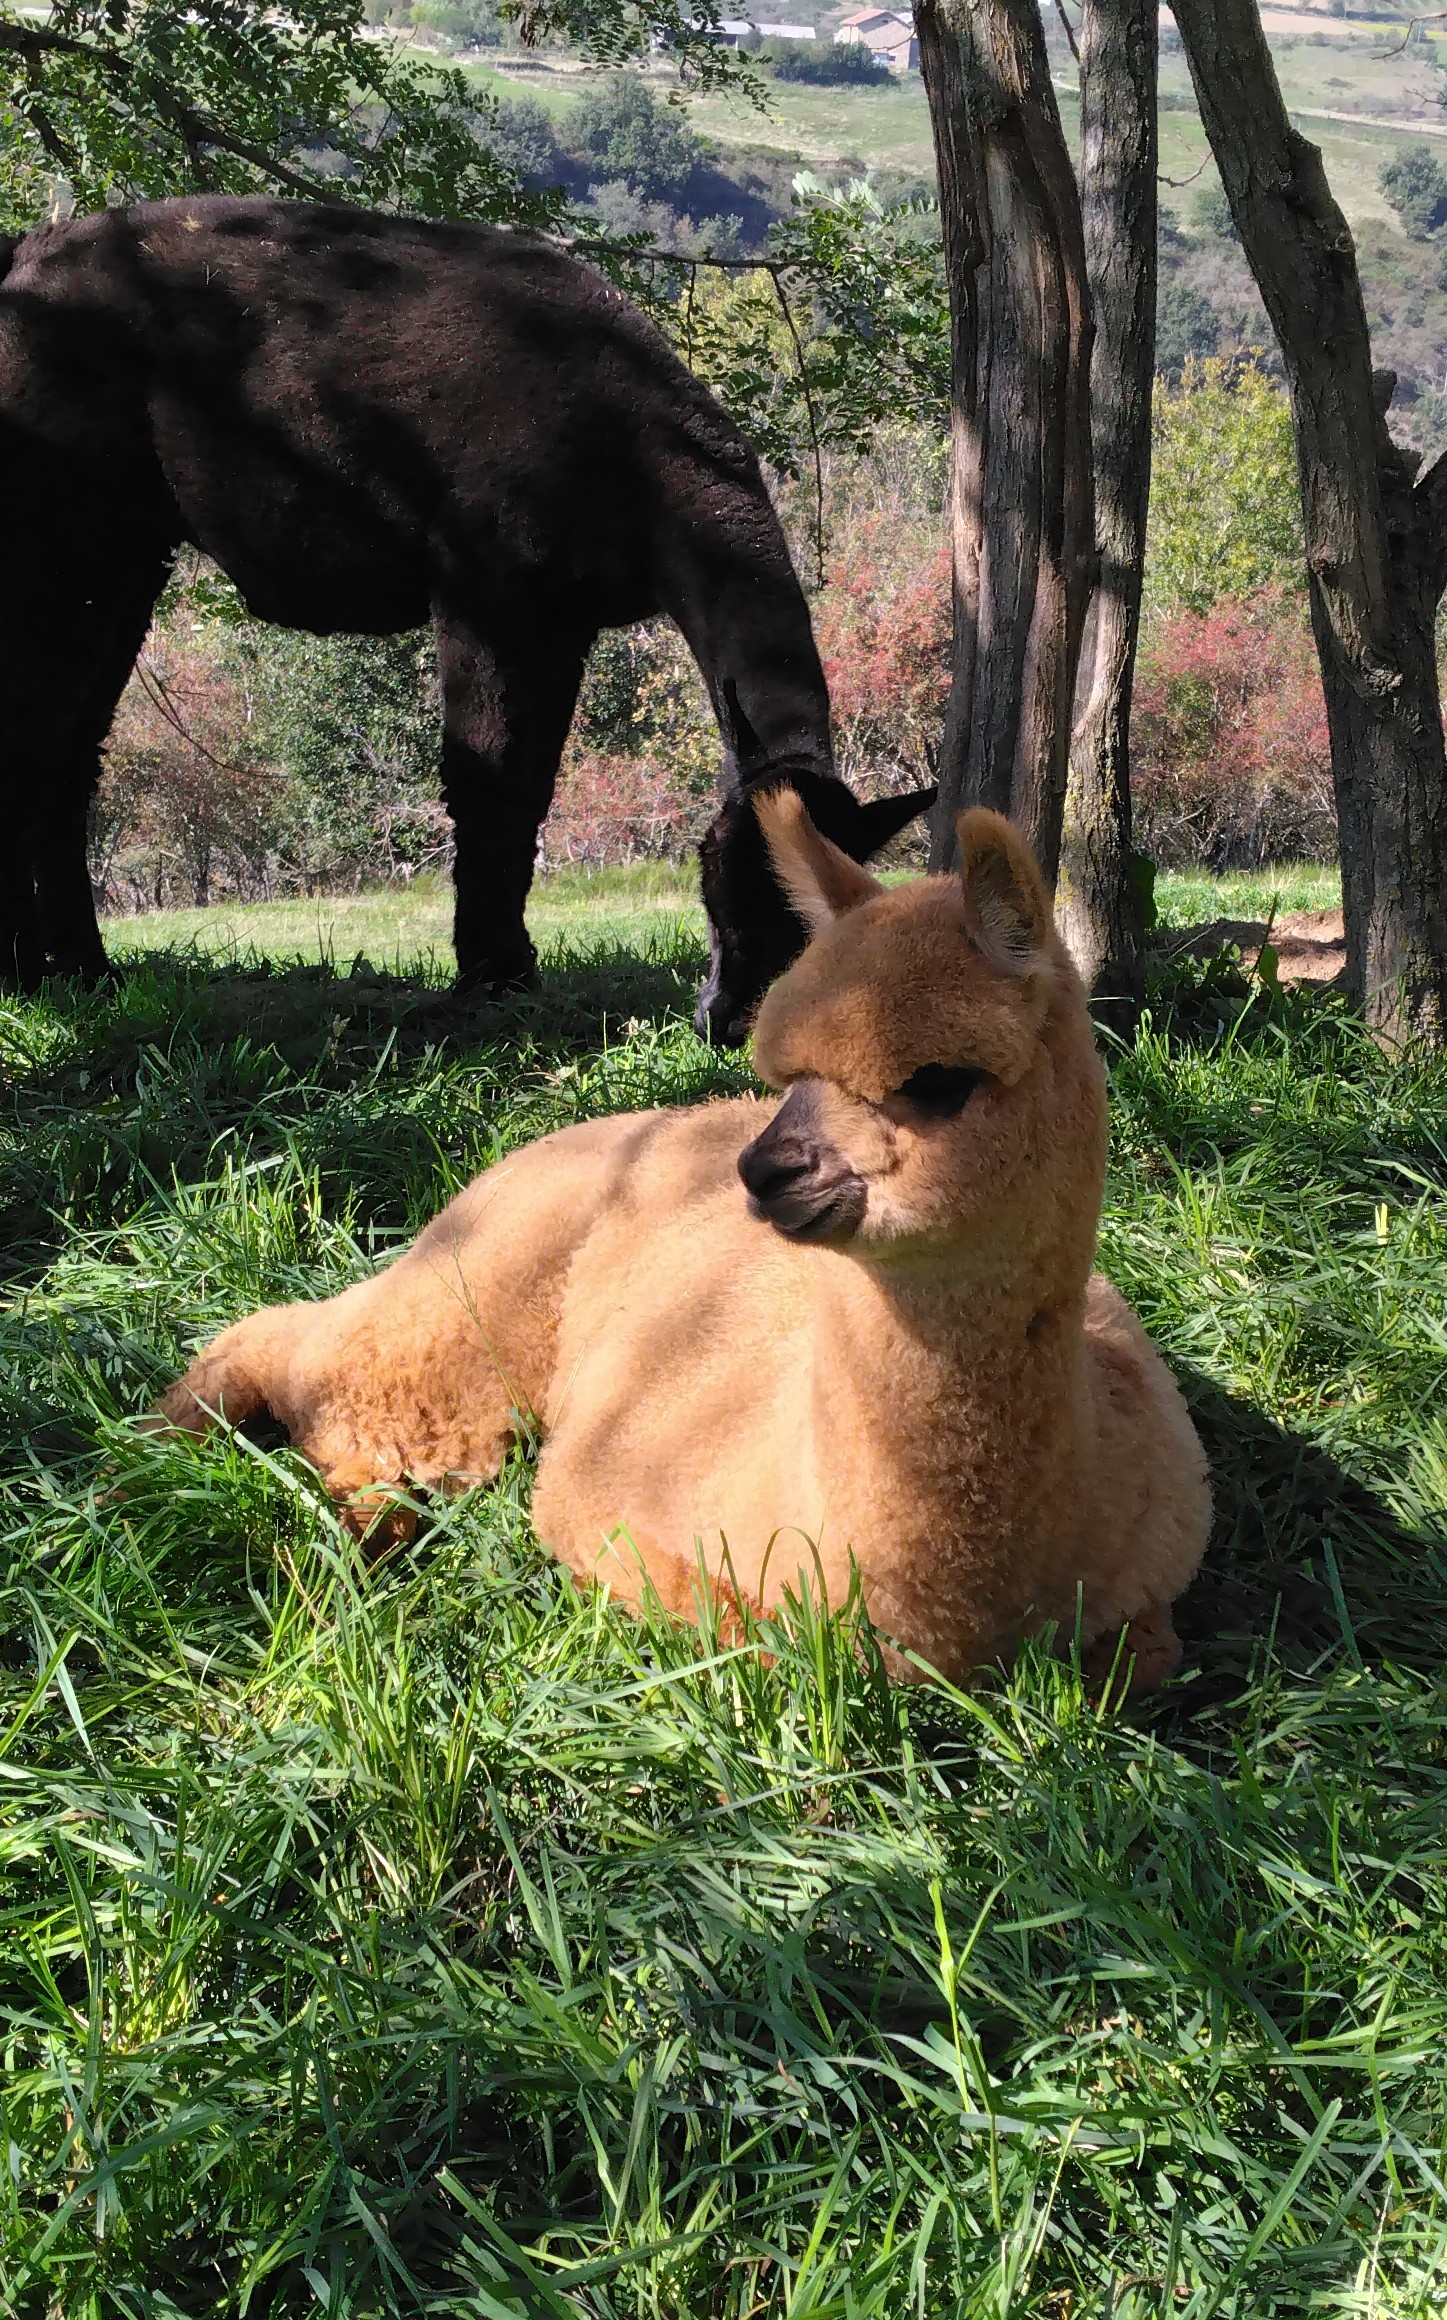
[(250, 763)]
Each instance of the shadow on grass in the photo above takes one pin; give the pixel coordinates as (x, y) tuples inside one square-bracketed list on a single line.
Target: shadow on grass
[(1304, 1561), (112, 1094)]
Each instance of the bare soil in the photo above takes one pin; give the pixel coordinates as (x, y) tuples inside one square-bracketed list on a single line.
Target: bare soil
[(1310, 945)]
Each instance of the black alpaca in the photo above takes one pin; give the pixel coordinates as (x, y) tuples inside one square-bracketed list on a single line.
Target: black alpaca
[(366, 422)]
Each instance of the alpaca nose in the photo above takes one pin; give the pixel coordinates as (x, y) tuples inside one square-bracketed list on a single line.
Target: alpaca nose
[(796, 1180), (769, 1169), (789, 1148)]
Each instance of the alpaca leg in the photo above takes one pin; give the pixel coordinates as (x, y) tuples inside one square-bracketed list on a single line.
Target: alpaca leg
[(64, 896), (1147, 1656), (508, 700), (1154, 1646), (68, 676), (22, 953)]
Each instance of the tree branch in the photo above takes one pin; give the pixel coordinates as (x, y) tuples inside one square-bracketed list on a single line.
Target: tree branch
[(1438, 16), (35, 42)]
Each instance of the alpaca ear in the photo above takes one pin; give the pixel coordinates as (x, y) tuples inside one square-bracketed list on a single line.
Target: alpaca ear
[(818, 877), (884, 818), (1007, 910)]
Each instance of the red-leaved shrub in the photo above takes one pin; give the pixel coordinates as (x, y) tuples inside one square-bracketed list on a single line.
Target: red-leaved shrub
[(185, 812), (1231, 761), (883, 625), (614, 809)]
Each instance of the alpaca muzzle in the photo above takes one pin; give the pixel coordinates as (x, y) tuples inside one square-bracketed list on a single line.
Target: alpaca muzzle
[(797, 1180)]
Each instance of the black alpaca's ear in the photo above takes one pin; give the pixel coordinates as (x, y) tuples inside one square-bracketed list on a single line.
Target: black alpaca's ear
[(819, 878), (882, 819)]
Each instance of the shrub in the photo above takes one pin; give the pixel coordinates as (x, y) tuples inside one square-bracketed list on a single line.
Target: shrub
[(1415, 184), (352, 725), (644, 698), (187, 809), (884, 628), (1232, 764), (1225, 503), (615, 809), (824, 64)]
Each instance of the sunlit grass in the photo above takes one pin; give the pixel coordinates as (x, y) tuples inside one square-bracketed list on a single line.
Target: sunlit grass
[(408, 929), (424, 1937), (1188, 898)]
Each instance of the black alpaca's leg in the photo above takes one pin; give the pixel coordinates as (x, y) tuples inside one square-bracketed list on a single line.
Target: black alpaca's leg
[(68, 689), (22, 954), (508, 701), (65, 899)]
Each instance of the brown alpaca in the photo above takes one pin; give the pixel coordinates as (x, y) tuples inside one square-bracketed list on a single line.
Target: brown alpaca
[(889, 1348)]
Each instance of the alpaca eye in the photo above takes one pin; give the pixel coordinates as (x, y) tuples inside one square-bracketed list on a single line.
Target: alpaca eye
[(942, 1089)]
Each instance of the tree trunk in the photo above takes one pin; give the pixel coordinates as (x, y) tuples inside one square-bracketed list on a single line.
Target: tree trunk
[(1022, 514), (1374, 545), (962, 228), (1097, 906)]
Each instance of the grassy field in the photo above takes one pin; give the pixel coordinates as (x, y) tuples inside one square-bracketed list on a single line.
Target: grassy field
[(408, 930), (427, 1938)]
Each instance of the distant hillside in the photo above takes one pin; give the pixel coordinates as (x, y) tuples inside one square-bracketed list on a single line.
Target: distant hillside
[(1359, 83)]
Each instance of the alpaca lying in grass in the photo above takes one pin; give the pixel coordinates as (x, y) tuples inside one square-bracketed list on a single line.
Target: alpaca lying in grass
[(885, 1344)]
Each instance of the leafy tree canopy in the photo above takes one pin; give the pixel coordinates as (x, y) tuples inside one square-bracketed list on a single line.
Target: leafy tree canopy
[(115, 100), (636, 137), (1186, 325), (1212, 215), (120, 100), (1416, 186), (1225, 503)]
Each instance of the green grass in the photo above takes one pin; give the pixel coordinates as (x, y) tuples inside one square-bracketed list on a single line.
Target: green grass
[(1188, 898), (428, 1938), (410, 928)]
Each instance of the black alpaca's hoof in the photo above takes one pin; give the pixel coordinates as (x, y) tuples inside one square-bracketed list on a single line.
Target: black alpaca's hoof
[(451, 1010), (475, 984)]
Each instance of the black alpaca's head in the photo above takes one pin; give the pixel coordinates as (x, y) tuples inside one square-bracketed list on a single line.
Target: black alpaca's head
[(753, 928)]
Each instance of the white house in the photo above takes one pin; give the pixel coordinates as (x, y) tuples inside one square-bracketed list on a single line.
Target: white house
[(734, 30), (887, 33)]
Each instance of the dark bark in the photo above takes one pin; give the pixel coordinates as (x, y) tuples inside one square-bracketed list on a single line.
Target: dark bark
[(962, 226), (1097, 906), (1374, 545), (1023, 521)]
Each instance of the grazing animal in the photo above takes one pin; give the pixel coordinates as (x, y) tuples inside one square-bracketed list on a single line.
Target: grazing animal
[(367, 422), (885, 1344), (754, 930)]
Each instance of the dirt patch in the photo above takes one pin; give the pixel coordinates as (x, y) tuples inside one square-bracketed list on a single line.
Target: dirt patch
[(1310, 945)]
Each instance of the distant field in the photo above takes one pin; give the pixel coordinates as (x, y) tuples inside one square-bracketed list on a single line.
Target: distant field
[(650, 903), (888, 128)]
